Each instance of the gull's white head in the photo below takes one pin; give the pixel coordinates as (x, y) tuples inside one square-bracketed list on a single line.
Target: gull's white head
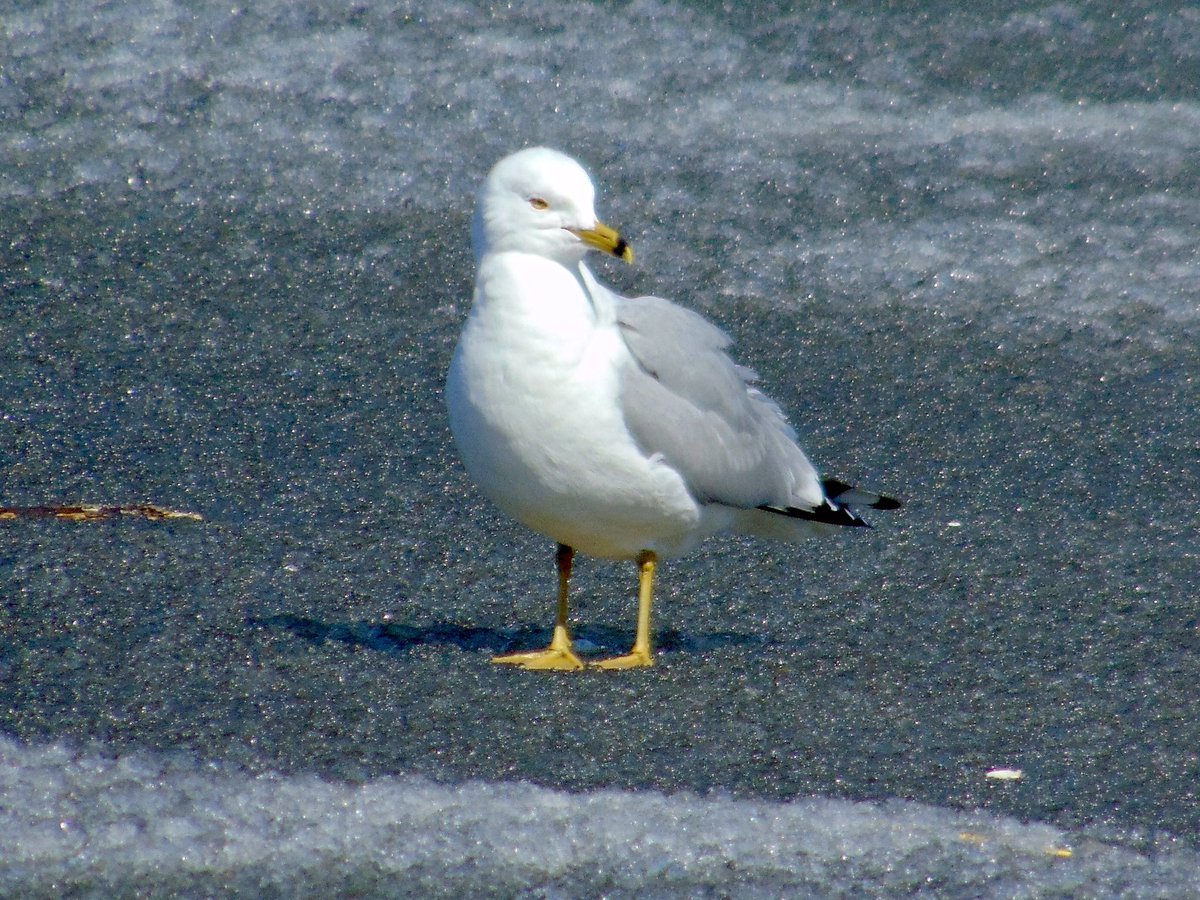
[(541, 201)]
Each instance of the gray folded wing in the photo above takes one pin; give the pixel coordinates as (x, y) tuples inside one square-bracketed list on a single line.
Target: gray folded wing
[(686, 400)]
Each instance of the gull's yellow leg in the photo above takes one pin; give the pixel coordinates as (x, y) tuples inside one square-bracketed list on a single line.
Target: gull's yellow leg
[(559, 654), (640, 655)]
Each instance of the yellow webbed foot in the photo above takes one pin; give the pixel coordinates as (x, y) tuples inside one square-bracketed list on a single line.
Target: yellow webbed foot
[(542, 659), (559, 656), (635, 659)]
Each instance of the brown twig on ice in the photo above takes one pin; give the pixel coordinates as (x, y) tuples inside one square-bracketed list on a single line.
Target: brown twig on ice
[(87, 513)]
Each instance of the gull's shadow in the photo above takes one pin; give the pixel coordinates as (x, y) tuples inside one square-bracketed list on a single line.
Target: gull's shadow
[(392, 637)]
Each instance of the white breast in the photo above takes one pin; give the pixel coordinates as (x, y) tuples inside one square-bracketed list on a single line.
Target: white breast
[(533, 399)]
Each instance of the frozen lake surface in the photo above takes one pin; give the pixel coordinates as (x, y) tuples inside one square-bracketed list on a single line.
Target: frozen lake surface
[(960, 246)]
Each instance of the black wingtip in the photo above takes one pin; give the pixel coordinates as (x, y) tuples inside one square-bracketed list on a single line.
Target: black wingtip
[(833, 487), (835, 490), (827, 514)]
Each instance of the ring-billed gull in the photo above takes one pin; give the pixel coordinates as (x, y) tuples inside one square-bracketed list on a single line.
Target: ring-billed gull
[(616, 426)]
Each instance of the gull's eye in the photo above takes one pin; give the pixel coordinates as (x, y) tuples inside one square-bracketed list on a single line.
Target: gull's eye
[(538, 203)]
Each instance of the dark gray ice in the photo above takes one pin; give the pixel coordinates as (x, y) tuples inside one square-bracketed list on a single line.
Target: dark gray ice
[(958, 245)]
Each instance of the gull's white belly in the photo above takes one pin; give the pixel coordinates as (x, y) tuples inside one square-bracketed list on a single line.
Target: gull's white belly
[(535, 412)]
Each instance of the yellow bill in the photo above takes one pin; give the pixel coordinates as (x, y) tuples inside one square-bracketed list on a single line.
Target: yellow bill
[(606, 239)]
